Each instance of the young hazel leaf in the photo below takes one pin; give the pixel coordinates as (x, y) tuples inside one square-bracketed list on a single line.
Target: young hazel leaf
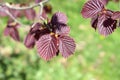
[(109, 13), (116, 15), (104, 2), (59, 18), (15, 13), (11, 30), (14, 34), (106, 25), (91, 8), (47, 46), (30, 14), (66, 46), (33, 35), (6, 31), (94, 22), (65, 30), (29, 40), (35, 27)]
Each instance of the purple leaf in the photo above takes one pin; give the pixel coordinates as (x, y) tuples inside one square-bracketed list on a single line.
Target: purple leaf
[(30, 14), (116, 15), (104, 2), (109, 13), (33, 35), (14, 34), (47, 46), (59, 18), (94, 22), (29, 40), (11, 30), (64, 30), (106, 25), (15, 13), (36, 27), (6, 31), (66, 46), (91, 8)]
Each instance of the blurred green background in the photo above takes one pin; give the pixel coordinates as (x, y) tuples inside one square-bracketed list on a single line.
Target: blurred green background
[(95, 58)]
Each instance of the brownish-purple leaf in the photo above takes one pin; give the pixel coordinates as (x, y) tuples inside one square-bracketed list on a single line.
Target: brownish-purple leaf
[(94, 22), (33, 35), (47, 46), (30, 14), (104, 2), (116, 15), (15, 13), (29, 40), (59, 18), (11, 30), (66, 46), (64, 30), (106, 25), (14, 34), (36, 27), (109, 13), (91, 8), (6, 31)]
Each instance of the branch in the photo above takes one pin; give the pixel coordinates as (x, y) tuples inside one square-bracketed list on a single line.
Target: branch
[(11, 16), (24, 8), (40, 4), (8, 13)]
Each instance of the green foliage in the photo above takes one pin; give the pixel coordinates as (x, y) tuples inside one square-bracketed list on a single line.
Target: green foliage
[(96, 57)]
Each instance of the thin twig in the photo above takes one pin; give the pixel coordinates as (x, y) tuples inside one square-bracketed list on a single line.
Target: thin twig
[(24, 8), (41, 11), (8, 13)]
